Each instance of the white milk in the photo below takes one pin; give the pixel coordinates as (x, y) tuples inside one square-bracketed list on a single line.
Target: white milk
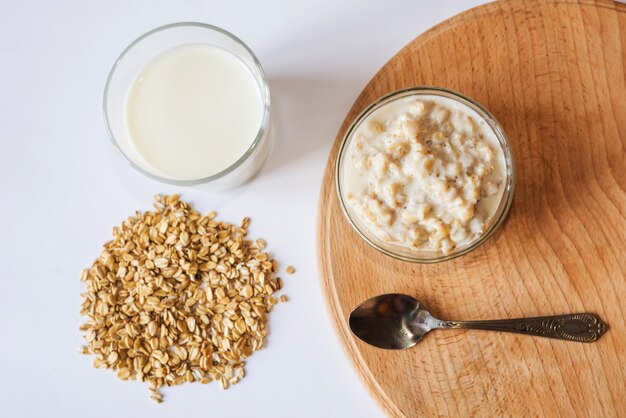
[(193, 111)]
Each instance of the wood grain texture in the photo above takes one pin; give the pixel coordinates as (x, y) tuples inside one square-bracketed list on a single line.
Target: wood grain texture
[(554, 75)]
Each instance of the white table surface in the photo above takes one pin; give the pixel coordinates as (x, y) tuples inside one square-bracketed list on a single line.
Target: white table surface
[(63, 188)]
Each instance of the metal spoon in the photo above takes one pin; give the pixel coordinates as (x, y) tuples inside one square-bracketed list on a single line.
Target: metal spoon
[(396, 321)]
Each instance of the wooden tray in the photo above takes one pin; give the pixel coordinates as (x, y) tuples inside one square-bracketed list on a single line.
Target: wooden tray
[(553, 74)]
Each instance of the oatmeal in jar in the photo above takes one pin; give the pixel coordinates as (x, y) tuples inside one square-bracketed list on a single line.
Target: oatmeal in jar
[(424, 172)]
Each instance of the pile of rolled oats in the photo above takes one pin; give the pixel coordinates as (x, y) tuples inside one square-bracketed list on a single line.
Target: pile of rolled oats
[(178, 297)]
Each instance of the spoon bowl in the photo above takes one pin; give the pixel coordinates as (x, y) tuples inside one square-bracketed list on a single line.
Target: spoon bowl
[(390, 321)]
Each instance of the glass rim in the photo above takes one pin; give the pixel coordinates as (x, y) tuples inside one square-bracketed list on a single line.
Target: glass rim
[(265, 95), (509, 187)]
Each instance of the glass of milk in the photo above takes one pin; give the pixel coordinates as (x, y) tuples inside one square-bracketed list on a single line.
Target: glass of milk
[(188, 103)]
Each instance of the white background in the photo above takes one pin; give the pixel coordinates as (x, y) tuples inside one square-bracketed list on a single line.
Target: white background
[(62, 188)]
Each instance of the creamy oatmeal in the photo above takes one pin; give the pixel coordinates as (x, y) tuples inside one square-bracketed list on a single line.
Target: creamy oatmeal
[(424, 172)]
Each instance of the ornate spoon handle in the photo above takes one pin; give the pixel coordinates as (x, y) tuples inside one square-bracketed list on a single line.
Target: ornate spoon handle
[(581, 327)]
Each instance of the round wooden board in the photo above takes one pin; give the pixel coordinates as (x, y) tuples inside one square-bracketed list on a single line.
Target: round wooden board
[(553, 74)]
